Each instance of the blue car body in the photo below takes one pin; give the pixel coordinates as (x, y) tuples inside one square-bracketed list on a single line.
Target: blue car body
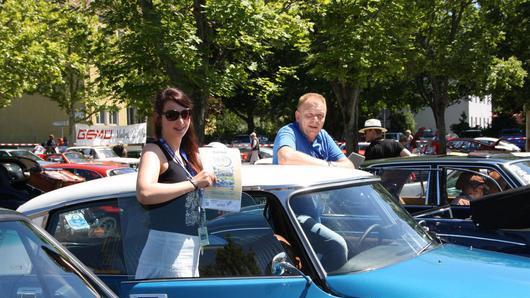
[(515, 136), (332, 233)]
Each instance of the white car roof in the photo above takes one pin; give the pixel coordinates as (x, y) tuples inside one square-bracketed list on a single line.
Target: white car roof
[(264, 176)]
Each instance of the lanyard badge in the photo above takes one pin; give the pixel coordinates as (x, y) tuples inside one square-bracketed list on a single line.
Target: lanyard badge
[(202, 231)]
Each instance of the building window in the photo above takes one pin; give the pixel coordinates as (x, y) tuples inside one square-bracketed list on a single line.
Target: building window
[(113, 118), (132, 116), (100, 117)]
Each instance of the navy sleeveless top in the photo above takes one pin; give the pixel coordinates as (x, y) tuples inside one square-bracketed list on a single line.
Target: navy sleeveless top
[(180, 215)]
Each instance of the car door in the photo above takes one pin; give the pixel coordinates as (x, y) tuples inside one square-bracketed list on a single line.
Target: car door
[(92, 231), (235, 263)]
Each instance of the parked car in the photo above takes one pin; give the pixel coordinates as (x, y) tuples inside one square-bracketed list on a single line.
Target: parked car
[(268, 249), (429, 181), (515, 136), (22, 179), (14, 190), (67, 157), (22, 153), (92, 170), (426, 186), (499, 144), (104, 154), (478, 144), (36, 265)]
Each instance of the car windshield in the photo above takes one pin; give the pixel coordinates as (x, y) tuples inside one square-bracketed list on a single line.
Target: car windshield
[(35, 268), (24, 153), (521, 169), (106, 153), (358, 228), (75, 157)]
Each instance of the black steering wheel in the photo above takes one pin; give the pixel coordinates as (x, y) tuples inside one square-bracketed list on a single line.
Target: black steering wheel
[(367, 232)]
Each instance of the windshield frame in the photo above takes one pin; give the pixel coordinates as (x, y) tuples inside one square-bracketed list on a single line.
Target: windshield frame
[(430, 239)]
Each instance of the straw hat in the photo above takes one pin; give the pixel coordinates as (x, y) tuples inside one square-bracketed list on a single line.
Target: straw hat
[(372, 124)]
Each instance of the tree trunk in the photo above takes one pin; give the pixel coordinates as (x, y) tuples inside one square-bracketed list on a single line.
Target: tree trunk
[(347, 96), (203, 92), (439, 105)]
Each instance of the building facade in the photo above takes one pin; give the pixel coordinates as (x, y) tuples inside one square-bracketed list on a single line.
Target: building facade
[(478, 114), (32, 118)]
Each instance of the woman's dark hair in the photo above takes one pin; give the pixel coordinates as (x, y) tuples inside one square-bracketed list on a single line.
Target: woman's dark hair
[(189, 141)]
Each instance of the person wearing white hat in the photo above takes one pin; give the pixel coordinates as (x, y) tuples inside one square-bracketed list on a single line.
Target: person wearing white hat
[(379, 147), (304, 142)]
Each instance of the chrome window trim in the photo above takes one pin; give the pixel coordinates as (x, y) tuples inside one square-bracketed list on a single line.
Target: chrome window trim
[(482, 238)]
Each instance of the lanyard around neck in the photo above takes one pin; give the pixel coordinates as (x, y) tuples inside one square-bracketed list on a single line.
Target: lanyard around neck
[(171, 153)]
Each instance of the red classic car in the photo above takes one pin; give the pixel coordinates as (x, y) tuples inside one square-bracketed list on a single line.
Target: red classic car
[(92, 170)]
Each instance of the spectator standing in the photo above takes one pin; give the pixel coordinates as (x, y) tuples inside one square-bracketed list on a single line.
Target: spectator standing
[(304, 141), (170, 176), (254, 148), (51, 145), (379, 147), (408, 139)]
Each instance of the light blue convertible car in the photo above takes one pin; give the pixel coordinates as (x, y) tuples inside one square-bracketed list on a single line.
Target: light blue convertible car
[(302, 232)]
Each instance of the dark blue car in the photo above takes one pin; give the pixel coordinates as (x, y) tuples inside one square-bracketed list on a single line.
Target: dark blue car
[(515, 136)]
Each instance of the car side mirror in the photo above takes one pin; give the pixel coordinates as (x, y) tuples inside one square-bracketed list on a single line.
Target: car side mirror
[(279, 266)]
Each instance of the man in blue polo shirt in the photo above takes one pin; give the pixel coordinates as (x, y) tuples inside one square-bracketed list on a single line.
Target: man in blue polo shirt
[(304, 142)]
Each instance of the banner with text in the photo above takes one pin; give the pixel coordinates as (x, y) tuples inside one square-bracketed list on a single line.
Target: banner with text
[(98, 135)]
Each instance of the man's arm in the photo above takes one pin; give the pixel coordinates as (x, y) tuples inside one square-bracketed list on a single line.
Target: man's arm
[(405, 152), (344, 163), (289, 156)]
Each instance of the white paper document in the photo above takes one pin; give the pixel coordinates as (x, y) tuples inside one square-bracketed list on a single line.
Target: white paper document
[(225, 163)]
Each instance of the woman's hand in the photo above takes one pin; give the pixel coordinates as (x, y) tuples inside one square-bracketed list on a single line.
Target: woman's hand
[(204, 179)]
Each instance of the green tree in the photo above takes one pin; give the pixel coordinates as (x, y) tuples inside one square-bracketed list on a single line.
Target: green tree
[(27, 55), (461, 125), (512, 17), (208, 48), (48, 47), (455, 55), (354, 44)]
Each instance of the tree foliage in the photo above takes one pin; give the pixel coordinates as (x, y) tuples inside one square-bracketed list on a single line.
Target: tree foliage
[(28, 54), (356, 44), (208, 48), (454, 55)]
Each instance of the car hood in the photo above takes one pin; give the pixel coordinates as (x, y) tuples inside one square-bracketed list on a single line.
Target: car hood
[(446, 271)]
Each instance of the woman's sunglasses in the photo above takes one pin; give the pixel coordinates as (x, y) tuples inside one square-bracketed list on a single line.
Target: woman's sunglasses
[(173, 115)]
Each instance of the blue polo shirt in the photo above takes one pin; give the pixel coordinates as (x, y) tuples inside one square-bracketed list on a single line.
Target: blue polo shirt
[(323, 147)]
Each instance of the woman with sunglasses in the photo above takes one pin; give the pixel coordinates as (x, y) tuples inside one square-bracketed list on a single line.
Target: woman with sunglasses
[(170, 176)]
